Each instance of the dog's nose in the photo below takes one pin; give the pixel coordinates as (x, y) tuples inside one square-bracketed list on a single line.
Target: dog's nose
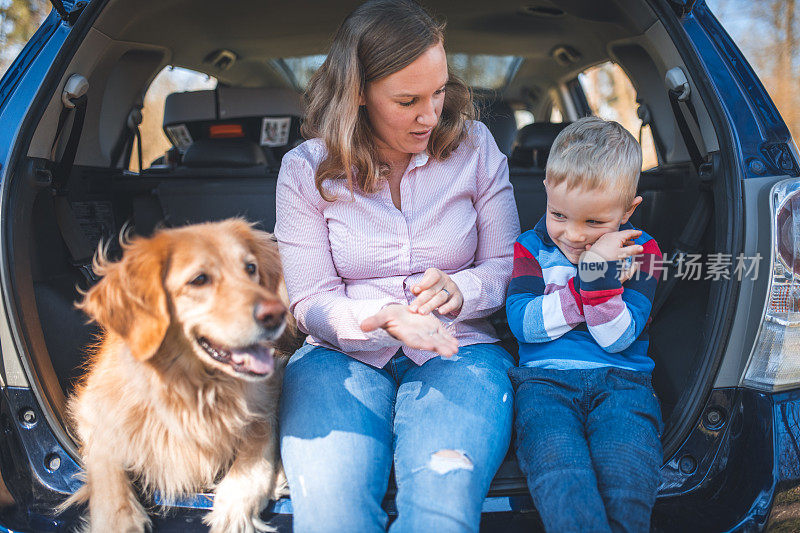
[(269, 314)]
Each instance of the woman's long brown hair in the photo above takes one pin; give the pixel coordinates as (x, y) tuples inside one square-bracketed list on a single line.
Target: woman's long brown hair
[(379, 38)]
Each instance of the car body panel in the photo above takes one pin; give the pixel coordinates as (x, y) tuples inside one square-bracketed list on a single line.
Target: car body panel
[(18, 90), (726, 475), (742, 464), (753, 293)]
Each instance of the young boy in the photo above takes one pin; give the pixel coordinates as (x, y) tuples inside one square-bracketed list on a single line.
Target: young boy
[(587, 419)]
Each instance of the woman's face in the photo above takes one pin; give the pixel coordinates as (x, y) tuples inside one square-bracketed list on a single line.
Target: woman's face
[(404, 107)]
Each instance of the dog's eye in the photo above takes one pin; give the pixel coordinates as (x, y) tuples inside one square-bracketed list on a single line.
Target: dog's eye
[(250, 268), (201, 279)]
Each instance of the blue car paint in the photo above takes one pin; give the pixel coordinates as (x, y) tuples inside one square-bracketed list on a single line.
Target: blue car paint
[(750, 454), (24, 78), (737, 466)]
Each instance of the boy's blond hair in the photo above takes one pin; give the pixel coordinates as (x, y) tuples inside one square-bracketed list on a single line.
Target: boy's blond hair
[(592, 153)]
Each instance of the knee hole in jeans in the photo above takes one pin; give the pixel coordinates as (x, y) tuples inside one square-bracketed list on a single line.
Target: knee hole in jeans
[(445, 461)]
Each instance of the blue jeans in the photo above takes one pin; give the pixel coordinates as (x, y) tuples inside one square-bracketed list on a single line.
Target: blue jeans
[(445, 424), (588, 443)]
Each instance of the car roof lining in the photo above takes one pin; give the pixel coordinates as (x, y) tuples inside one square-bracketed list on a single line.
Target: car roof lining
[(122, 54), (259, 31)]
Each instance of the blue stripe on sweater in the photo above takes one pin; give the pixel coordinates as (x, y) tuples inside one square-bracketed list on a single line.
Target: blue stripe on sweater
[(524, 310)]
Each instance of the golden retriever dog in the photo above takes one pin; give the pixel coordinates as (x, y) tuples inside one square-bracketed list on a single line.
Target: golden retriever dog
[(182, 388)]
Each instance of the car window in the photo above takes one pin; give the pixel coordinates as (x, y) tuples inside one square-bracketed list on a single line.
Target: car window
[(479, 71), (169, 80), (482, 71), (611, 96), (523, 118), (300, 69)]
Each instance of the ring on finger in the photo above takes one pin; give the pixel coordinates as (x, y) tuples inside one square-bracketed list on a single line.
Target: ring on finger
[(445, 290)]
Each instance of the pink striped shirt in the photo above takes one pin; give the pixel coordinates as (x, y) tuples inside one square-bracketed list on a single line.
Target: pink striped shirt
[(346, 259)]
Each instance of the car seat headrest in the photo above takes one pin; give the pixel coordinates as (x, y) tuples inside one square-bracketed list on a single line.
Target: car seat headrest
[(499, 118), (269, 117), (533, 143), (226, 103), (236, 102), (229, 153)]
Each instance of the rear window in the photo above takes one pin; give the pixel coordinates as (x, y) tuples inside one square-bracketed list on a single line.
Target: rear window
[(300, 69), (484, 71), (169, 80), (612, 97), (480, 71)]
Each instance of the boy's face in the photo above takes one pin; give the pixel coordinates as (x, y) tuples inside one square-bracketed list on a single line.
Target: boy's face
[(578, 217)]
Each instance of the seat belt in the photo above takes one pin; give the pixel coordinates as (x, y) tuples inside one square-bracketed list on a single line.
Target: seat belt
[(679, 92), (134, 119), (124, 145), (689, 240), (687, 243), (646, 117), (74, 100)]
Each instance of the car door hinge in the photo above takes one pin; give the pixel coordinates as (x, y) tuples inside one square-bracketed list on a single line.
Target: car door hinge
[(682, 7), (779, 157), (68, 16)]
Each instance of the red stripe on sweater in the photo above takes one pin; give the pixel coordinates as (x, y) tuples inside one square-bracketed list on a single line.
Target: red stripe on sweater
[(599, 297), (575, 294), (650, 261), (524, 263), (651, 247)]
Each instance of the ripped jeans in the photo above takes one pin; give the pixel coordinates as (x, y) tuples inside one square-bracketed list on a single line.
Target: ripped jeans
[(446, 426)]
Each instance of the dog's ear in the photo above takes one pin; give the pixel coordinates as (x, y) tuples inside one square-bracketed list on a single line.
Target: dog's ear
[(130, 299)]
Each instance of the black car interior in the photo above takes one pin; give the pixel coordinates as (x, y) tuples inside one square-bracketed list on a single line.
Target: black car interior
[(228, 143)]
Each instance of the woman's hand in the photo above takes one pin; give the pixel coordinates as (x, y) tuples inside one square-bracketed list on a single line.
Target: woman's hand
[(436, 291), (423, 332)]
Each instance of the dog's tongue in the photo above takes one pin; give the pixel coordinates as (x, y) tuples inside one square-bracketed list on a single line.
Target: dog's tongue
[(257, 359)]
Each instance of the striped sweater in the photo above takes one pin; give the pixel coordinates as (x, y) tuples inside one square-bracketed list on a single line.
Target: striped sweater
[(565, 321)]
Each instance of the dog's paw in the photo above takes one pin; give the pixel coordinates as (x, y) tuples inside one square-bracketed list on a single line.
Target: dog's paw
[(123, 526), (105, 516), (281, 487), (236, 509), (218, 522), (136, 524)]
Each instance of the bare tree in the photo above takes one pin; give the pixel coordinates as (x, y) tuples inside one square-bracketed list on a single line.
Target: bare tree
[(611, 95), (19, 20), (767, 33), (781, 18)]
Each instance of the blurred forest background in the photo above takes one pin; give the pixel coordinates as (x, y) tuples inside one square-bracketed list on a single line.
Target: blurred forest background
[(767, 31)]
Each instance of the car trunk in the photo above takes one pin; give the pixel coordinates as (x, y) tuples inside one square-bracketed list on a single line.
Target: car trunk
[(44, 272)]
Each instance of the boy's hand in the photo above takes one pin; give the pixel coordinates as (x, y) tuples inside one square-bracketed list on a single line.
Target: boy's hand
[(617, 245), (629, 273)]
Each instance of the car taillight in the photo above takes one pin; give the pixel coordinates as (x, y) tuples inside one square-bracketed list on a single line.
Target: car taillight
[(775, 361)]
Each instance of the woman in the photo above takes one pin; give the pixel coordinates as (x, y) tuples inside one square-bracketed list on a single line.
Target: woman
[(396, 223)]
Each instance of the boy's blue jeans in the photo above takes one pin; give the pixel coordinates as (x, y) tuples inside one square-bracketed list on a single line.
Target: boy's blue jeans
[(445, 424), (588, 443)]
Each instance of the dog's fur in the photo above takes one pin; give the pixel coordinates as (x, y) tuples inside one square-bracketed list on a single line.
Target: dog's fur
[(155, 406)]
